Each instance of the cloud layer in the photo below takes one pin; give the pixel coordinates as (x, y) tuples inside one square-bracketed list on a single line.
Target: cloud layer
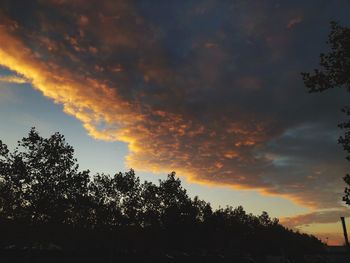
[(321, 217), (209, 89)]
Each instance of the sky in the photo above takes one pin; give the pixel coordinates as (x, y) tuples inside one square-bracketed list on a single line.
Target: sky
[(209, 89)]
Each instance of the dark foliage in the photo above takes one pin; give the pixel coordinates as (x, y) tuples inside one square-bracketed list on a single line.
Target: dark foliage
[(335, 73), (45, 199)]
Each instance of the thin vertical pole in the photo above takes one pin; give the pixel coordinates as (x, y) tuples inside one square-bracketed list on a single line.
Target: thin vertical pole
[(344, 230)]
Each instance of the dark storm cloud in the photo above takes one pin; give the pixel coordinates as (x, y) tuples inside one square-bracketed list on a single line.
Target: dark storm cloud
[(211, 89)]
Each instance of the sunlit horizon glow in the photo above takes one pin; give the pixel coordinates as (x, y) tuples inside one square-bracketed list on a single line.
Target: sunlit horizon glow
[(223, 107)]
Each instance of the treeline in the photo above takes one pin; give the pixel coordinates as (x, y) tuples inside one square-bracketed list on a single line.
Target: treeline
[(45, 199)]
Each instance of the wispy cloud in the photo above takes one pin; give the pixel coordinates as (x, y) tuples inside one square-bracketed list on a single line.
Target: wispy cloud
[(13, 79), (325, 223), (294, 21), (316, 217)]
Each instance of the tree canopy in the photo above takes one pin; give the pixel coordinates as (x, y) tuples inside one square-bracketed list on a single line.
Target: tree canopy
[(334, 72), (44, 197)]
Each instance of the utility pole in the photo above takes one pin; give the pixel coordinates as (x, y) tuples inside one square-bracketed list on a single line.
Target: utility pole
[(345, 232)]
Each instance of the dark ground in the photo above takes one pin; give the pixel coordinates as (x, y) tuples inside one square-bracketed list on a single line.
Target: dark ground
[(50, 256)]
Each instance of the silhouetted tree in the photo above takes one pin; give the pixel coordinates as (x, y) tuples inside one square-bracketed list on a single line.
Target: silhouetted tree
[(335, 73), (41, 182), (45, 198), (106, 202), (151, 205)]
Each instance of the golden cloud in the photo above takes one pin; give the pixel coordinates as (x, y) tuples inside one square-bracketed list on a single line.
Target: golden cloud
[(158, 140), (108, 68), (13, 79)]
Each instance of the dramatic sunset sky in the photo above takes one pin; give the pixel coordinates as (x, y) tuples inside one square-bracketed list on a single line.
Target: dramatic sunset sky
[(209, 89)]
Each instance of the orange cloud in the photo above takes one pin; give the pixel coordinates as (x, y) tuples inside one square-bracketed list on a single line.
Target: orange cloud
[(110, 71), (158, 141), (13, 79), (323, 223), (318, 216)]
